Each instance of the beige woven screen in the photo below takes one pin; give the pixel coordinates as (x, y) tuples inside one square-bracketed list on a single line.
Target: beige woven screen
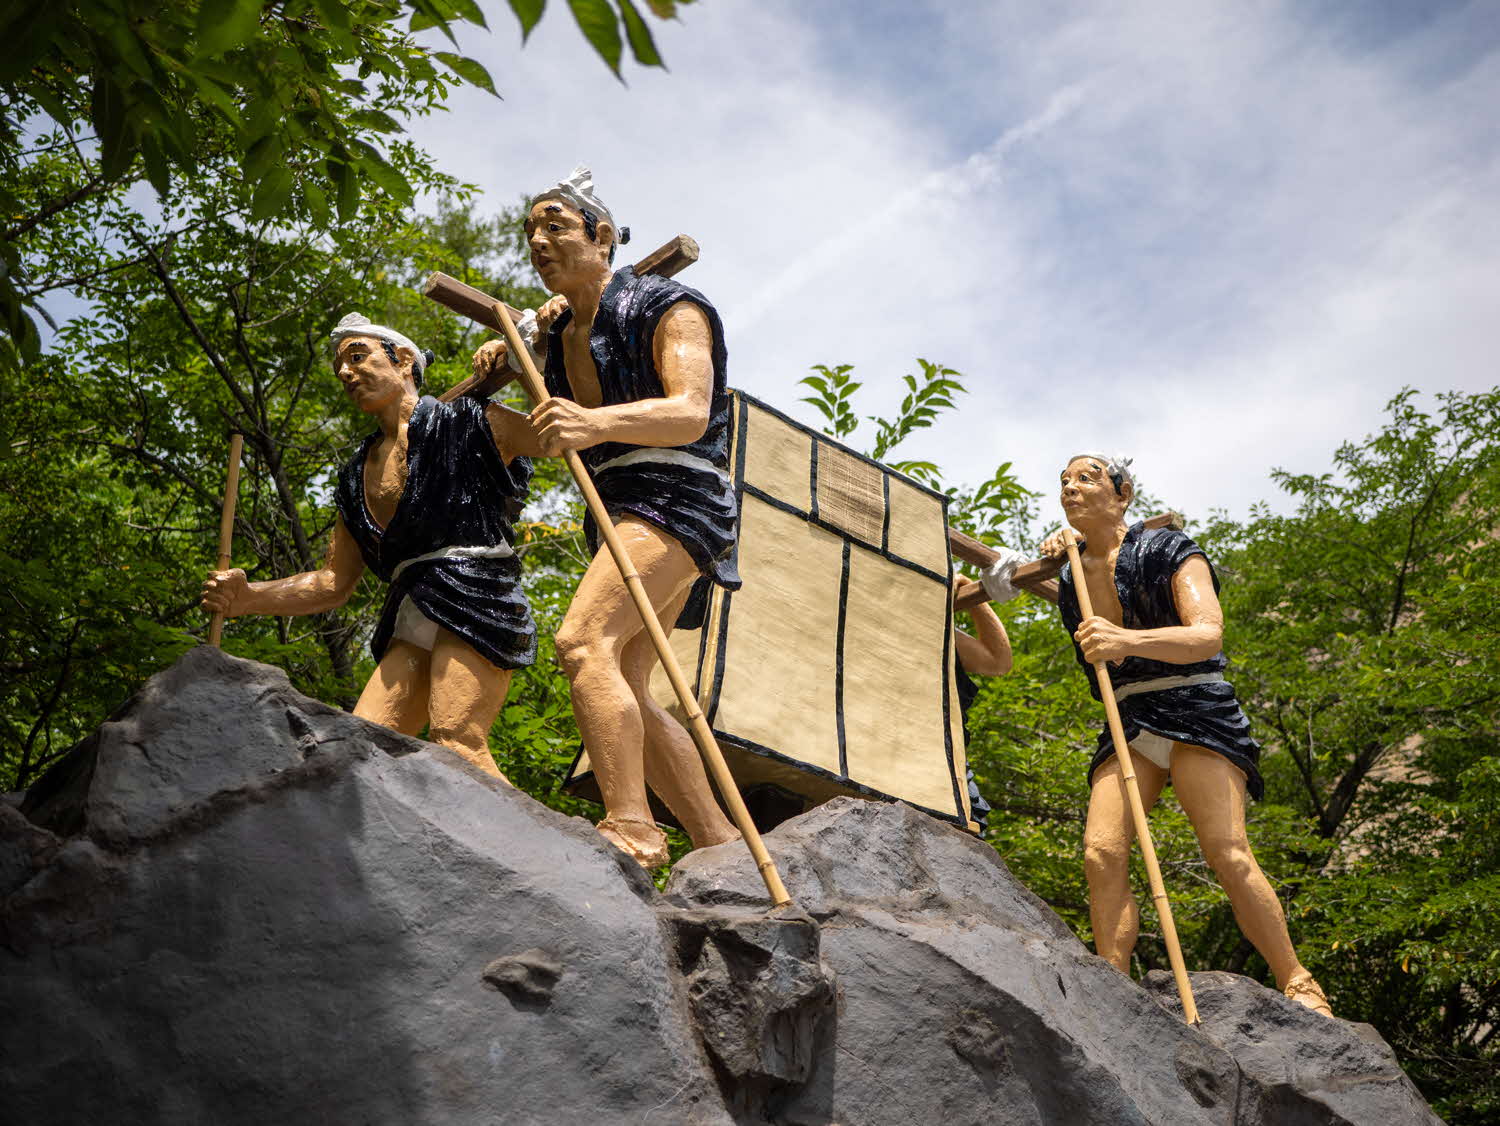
[(831, 671)]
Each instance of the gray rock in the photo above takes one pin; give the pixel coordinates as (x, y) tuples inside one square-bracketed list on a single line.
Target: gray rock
[(1297, 1068), (527, 977), (240, 931), (962, 998), (236, 905), (761, 996)]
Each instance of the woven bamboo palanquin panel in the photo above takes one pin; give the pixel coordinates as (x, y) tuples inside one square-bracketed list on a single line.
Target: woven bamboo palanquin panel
[(831, 671)]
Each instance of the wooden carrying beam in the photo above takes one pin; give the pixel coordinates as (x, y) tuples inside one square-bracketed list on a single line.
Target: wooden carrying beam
[(666, 260), (1039, 577)]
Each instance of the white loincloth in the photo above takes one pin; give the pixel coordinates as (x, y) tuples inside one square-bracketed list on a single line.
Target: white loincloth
[(414, 626)]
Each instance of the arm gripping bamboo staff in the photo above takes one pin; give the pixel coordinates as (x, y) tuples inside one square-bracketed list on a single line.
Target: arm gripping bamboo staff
[(226, 527), (702, 734), (1133, 792)]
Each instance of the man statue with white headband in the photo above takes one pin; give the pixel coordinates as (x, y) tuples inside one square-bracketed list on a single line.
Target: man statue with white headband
[(636, 368), (1157, 620), (425, 503)]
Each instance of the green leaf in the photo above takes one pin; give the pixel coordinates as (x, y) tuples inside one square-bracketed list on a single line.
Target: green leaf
[(642, 46), (211, 92), (601, 27), (335, 17), (663, 9), (375, 119), (262, 156), (225, 24), (528, 12), (374, 165), (468, 69), (428, 13), (50, 102), (108, 114), (272, 193), (470, 11), (317, 203), (156, 166), (28, 32), (334, 14)]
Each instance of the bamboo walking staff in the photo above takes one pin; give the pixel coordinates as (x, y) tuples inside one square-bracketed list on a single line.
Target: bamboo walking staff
[(1133, 793), (226, 527), (702, 734)]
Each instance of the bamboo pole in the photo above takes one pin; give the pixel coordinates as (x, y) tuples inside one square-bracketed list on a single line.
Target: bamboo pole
[(226, 527), (702, 734), (1133, 792)]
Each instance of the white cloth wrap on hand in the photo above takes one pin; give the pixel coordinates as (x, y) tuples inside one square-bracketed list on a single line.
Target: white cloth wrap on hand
[(996, 577), (526, 330)]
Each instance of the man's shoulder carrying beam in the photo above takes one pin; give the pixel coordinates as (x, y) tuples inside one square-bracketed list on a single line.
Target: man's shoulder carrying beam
[(666, 260), (1038, 576)]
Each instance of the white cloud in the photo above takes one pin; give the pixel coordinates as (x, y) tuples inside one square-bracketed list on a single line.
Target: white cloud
[(1220, 236)]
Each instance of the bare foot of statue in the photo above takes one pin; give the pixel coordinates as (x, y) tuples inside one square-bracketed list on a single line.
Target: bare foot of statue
[(1305, 990), (640, 840)]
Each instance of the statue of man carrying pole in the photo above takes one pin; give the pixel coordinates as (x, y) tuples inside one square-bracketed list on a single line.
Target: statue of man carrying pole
[(425, 503), (635, 366), (1156, 631)]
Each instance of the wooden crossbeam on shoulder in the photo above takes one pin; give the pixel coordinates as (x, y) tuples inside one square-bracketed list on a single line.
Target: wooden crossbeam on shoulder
[(1039, 577)]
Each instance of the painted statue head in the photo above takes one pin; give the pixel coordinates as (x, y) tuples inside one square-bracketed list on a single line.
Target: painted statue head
[(571, 232), (1097, 486), (374, 363)]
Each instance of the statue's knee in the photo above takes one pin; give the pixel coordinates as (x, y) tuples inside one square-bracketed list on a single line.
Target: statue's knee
[(1105, 860), (1231, 860), (575, 650)]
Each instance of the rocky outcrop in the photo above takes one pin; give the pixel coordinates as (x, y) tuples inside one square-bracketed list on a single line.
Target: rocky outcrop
[(269, 911), (234, 905), (963, 998)]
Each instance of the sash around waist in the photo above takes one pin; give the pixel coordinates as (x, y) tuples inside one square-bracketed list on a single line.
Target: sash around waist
[(1164, 682), (663, 456), (497, 551)]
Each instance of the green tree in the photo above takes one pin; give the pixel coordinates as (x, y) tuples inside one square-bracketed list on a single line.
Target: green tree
[(307, 97), (200, 320), (1366, 631)]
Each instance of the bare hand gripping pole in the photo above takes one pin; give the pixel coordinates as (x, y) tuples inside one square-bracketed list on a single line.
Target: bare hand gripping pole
[(1133, 792), (497, 316)]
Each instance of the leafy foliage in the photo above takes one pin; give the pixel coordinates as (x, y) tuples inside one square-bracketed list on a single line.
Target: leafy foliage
[(925, 398), (1367, 628), (305, 96), (199, 320)]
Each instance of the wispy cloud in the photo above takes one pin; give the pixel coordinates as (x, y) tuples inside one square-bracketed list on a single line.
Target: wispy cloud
[(868, 219), (1219, 236)]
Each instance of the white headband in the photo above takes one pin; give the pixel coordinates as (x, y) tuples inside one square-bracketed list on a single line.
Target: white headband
[(356, 324), (1114, 465), (578, 192)]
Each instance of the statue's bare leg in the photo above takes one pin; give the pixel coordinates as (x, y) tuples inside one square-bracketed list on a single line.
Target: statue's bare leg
[(674, 768), (1107, 837), (467, 694), (395, 696), (601, 620), (1211, 790)]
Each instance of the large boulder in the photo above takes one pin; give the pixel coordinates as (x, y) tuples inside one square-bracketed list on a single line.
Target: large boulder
[(962, 998), (266, 910), (234, 904)]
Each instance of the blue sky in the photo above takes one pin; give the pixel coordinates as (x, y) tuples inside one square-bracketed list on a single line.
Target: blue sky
[(1216, 236)]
